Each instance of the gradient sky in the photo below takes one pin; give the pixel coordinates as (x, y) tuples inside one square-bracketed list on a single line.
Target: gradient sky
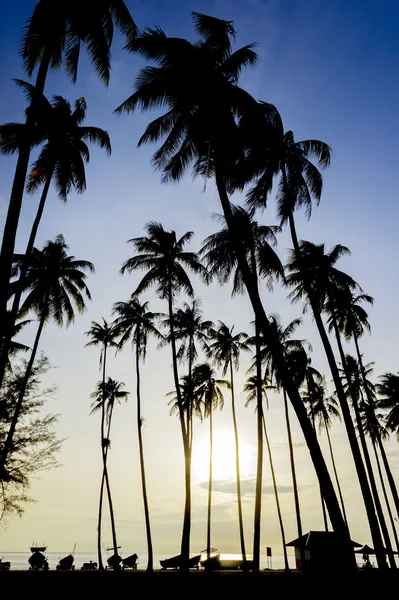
[(331, 68)]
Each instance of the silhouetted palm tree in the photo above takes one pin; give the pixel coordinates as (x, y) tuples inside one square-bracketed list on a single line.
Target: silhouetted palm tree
[(257, 243), (55, 286), (198, 85), (352, 378), (251, 388), (105, 396), (135, 323), (13, 347), (164, 258), (54, 34), (104, 336), (322, 408), (189, 328), (225, 347), (61, 160), (324, 279), (207, 391)]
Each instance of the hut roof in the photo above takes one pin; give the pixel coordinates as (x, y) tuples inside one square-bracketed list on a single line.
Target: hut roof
[(314, 539)]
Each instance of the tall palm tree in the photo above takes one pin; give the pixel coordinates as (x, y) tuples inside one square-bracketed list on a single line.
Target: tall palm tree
[(322, 409), (388, 391), (353, 387), (54, 34), (225, 347), (198, 85), (134, 323), (189, 328), (325, 279), (102, 335), (61, 160), (165, 259), (291, 348), (208, 392), (105, 398), (251, 389), (56, 285), (257, 243)]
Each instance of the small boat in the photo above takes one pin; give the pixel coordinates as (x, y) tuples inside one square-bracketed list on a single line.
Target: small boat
[(38, 562), (214, 558), (66, 563), (175, 562), (4, 565), (130, 562), (89, 566), (114, 562)]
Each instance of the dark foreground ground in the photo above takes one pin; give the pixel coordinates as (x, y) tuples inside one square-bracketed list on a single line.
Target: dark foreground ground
[(54, 585)]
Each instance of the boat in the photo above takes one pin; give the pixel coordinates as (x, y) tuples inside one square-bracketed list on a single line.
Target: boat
[(36, 548), (38, 562), (4, 565), (213, 561), (130, 562), (175, 562), (66, 563)]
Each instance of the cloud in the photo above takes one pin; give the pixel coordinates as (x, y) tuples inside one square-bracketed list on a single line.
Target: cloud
[(229, 486)]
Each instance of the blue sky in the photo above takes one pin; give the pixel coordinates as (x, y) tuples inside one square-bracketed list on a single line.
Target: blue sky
[(331, 68)]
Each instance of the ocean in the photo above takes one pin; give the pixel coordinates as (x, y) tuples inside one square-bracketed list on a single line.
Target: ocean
[(19, 560)]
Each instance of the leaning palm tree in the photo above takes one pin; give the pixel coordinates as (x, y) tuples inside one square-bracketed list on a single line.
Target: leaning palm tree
[(207, 391), (224, 347), (322, 409), (102, 335), (105, 397), (257, 242), (56, 285), (165, 259), (54, 35), (197, 83), (190, 329), (352, 379), (135, 323), (251, 388), (61, 161), (325, 279)]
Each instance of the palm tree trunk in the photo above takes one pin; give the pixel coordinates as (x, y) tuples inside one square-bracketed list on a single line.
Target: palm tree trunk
[(384, 491), (238, 475), (14, 207), (259, 460), (150, 564), (18, 293), (391, 480), (21, 395), (323, 508), (335, 472), (103, 450), (280, 518), (100, 513), (294, 482), (366, 454), (185, 539), (208, 524), (357, 457), (292, 391)]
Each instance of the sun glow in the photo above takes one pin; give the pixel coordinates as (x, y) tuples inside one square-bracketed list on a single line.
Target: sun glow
[(224, 465)]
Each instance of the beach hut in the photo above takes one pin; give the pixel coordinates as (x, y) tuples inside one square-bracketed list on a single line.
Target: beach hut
[(324, 551)]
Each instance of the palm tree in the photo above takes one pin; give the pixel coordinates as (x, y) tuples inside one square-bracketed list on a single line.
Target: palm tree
[(164, 258), (322, 408), (207, 391), (54, 34), (198, 84), (55, 286), (61, 159), (388, 390), (325, 279), (251, 388), (105, 396), (373, 427), (225, 347), (188, 328), (257, 243), (14, 347), (134, 322), (104, 336), (351, 376), (291, 349)]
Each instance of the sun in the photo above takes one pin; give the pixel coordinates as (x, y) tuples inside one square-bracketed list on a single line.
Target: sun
[(224, 465)]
